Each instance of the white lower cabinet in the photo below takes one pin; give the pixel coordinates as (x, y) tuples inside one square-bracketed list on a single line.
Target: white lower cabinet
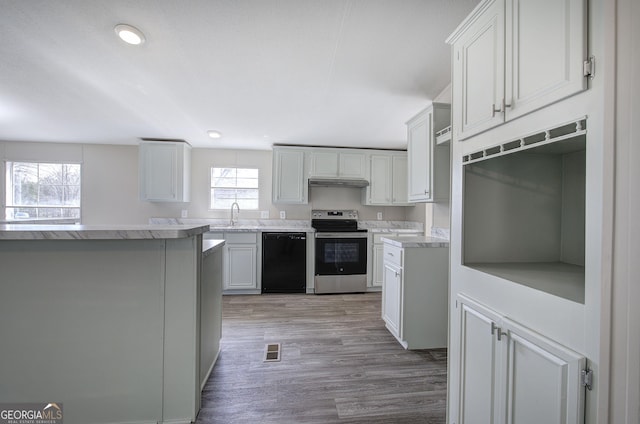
[(240, 260), (392, 299), (511, 374), (241, 267), (414, 295), (377, 250)]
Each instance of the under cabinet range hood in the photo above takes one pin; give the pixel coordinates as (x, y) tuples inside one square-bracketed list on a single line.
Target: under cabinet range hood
[(338, 182)]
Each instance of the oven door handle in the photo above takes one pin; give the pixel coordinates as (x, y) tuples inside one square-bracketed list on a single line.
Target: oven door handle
[(341, 235)]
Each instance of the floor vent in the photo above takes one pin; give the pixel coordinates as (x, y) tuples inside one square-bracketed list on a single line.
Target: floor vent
[(272, 352)]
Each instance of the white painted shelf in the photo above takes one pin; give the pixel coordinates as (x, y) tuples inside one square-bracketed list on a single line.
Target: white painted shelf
[(556, 278)]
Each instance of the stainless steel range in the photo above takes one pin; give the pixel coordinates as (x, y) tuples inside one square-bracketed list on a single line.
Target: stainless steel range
[(341, 252)]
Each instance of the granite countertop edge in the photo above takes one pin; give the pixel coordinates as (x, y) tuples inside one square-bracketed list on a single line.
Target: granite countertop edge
[(99, 232), (419, 241), (210, 246)]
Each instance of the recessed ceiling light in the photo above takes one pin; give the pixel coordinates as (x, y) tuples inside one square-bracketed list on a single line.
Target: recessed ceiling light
[(214, 134), (129, 34)]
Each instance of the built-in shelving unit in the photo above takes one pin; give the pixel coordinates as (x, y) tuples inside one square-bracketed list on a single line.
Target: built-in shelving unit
[(524, 210)]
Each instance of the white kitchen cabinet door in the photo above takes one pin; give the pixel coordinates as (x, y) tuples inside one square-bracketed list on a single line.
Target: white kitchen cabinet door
[(289, 181), (543, 379), (399, 180), (335, 163), (392, 299), (380, 185), (479, 366), (478, 72), (352, 165), (387, 180), (545, 50), (428, 162), (241, 267), (419, 152), (324, 163), (378, 265), (511, 374), (164, 171)]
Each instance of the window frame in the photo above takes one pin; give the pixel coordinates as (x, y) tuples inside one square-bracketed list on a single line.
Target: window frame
[(8, 194), (236, 167)]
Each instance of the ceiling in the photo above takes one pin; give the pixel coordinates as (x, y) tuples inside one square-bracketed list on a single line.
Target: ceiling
[(262, 72)]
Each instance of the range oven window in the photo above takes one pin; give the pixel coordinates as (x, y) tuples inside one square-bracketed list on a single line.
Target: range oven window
[(341, 256)]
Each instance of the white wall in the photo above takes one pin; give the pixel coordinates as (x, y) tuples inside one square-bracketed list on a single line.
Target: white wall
[(110, 185), (624, 382)]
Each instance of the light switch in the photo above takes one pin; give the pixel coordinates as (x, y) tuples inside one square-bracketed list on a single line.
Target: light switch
[(379, 216), (283, 215), (184, 213)]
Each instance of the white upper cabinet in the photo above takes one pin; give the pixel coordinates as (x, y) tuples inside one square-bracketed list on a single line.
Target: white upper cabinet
[(428, 162), (164, 171), (289, 182), (379, 190), (399, 183), (511, 57), (337, 163), (478, 71), (387, 179)]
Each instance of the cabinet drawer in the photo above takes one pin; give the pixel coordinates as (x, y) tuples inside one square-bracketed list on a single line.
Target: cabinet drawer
[(393, 254), (213, 236), (247, 238)]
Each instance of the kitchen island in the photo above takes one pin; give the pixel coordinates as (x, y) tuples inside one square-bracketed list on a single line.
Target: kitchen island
[(117, 323)]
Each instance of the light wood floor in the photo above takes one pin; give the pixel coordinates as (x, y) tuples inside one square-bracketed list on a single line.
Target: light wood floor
[(339, 364)]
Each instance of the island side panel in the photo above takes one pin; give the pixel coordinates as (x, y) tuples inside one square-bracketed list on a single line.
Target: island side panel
[(210, 313), (81, 322), (181, 393)]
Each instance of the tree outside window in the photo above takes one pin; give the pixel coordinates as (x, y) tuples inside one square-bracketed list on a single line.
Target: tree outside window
[(42, 190), (230, 185)]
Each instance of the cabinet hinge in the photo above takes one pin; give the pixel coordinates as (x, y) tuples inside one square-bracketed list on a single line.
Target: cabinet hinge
[(586, 378), (589, 67)]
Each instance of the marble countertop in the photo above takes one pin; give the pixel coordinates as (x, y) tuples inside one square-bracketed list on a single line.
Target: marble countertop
[(98, 232), (287, 225), (209, 246), (395, 230), (419, 241), (254, 228)]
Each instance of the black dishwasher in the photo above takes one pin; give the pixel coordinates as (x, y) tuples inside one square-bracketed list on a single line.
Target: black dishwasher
[(284, 262)]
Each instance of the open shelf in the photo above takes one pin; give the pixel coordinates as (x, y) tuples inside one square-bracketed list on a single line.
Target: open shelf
[(524, 210), (444, 135), (556, 278)]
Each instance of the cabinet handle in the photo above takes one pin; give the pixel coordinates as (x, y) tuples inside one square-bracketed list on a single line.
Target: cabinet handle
[(494, 327), (503, 107), (389, 253)]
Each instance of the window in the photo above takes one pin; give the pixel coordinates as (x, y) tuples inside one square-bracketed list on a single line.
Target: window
[(230, 185), (42, 190)]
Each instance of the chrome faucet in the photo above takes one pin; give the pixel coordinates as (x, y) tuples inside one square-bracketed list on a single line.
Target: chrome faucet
[(234, 221)]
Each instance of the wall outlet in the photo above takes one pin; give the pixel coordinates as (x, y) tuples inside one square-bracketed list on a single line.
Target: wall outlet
[(283, 215), (379, 216), (264, 214), (184, 213)]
